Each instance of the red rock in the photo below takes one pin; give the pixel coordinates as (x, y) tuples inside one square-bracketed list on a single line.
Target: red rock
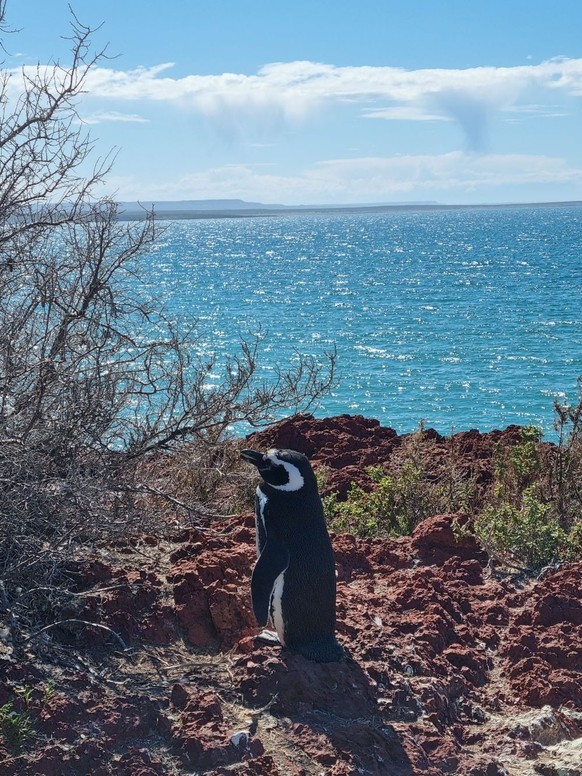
[(246, 645), (441, 655), (554, 608), (212, 594), (346, 445), (193, 611), (435, 540), (476, 662), (138, 762)]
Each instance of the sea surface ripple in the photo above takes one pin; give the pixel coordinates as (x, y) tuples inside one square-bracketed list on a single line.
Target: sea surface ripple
[(461, 318)]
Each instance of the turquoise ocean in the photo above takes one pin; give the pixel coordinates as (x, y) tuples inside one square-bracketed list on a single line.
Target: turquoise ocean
[(460, 318)]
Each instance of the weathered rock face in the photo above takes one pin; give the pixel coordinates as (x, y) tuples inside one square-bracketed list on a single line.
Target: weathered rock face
[(348, 444), (449, 670), (131, 601), (434, 540), (207, 577)]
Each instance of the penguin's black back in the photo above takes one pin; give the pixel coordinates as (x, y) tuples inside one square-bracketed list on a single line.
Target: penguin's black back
[(295, 520)]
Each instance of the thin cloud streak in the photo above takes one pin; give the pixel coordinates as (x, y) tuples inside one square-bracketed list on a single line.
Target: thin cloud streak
[(100, 118)]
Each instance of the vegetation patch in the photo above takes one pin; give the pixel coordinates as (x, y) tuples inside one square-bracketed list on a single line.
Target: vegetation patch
[(524, 505), (532, 515)]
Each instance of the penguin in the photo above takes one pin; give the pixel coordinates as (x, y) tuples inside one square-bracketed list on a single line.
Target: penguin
[(293, 582)]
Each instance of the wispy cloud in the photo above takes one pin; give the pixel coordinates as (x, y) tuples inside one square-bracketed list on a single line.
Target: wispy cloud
[(548, 111), (293, 91), (405, 113), (309, 81), (100, 118)]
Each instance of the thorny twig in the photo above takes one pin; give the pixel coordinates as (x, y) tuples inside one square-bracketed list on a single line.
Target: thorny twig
[(191, 510), (86, 623)]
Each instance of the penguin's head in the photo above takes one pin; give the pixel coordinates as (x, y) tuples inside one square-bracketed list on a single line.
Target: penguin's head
[(283, 470)]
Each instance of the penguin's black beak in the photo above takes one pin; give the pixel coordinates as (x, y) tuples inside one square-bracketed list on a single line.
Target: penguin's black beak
[(251, 456)]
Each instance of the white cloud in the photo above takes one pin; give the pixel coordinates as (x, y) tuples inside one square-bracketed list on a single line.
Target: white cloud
[(100, 118), (292, 91), (382, 179), (404, 113), (453, 170), (550, 111), (310, 81)]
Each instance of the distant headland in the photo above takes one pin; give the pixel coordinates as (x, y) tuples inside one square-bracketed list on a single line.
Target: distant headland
[(238, 208)]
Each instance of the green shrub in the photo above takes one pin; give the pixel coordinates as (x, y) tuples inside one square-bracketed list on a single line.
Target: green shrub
[(517, 467), (575, 540), (527, 517), (528, 536), (404, 492), (567, 464), (18, 716), (523, 523), (398, 502), (364, 514)]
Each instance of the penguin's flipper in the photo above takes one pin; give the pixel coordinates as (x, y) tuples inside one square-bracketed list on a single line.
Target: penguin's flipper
[(274, 559)]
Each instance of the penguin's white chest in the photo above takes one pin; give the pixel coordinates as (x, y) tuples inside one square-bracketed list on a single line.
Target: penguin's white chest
[(275, 603), (276, 607)]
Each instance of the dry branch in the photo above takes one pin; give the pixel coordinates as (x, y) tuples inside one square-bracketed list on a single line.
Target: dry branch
[(95, 378)]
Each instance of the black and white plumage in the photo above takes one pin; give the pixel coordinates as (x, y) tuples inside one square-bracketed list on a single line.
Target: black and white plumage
[(293, 581)]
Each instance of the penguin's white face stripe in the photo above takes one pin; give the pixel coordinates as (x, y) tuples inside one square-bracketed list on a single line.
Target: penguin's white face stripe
[(295, 481)]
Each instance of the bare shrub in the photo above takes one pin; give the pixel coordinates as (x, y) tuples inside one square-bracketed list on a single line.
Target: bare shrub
[(93, 379)]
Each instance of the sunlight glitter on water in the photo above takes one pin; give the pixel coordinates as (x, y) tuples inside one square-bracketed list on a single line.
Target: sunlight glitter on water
[(463, 318)]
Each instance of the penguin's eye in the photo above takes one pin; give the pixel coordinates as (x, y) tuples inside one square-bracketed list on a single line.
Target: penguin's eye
[(275, 474)]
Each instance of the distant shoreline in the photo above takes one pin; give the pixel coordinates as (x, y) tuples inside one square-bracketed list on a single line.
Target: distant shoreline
[(175, 215)]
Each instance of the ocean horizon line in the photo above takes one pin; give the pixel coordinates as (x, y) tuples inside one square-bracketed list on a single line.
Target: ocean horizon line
[(172, 210)]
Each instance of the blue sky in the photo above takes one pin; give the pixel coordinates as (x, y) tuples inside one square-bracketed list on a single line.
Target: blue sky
[(328, 102)]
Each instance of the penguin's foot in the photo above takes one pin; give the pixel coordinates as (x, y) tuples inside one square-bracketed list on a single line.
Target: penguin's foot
[(267, 637), (324, 651)]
